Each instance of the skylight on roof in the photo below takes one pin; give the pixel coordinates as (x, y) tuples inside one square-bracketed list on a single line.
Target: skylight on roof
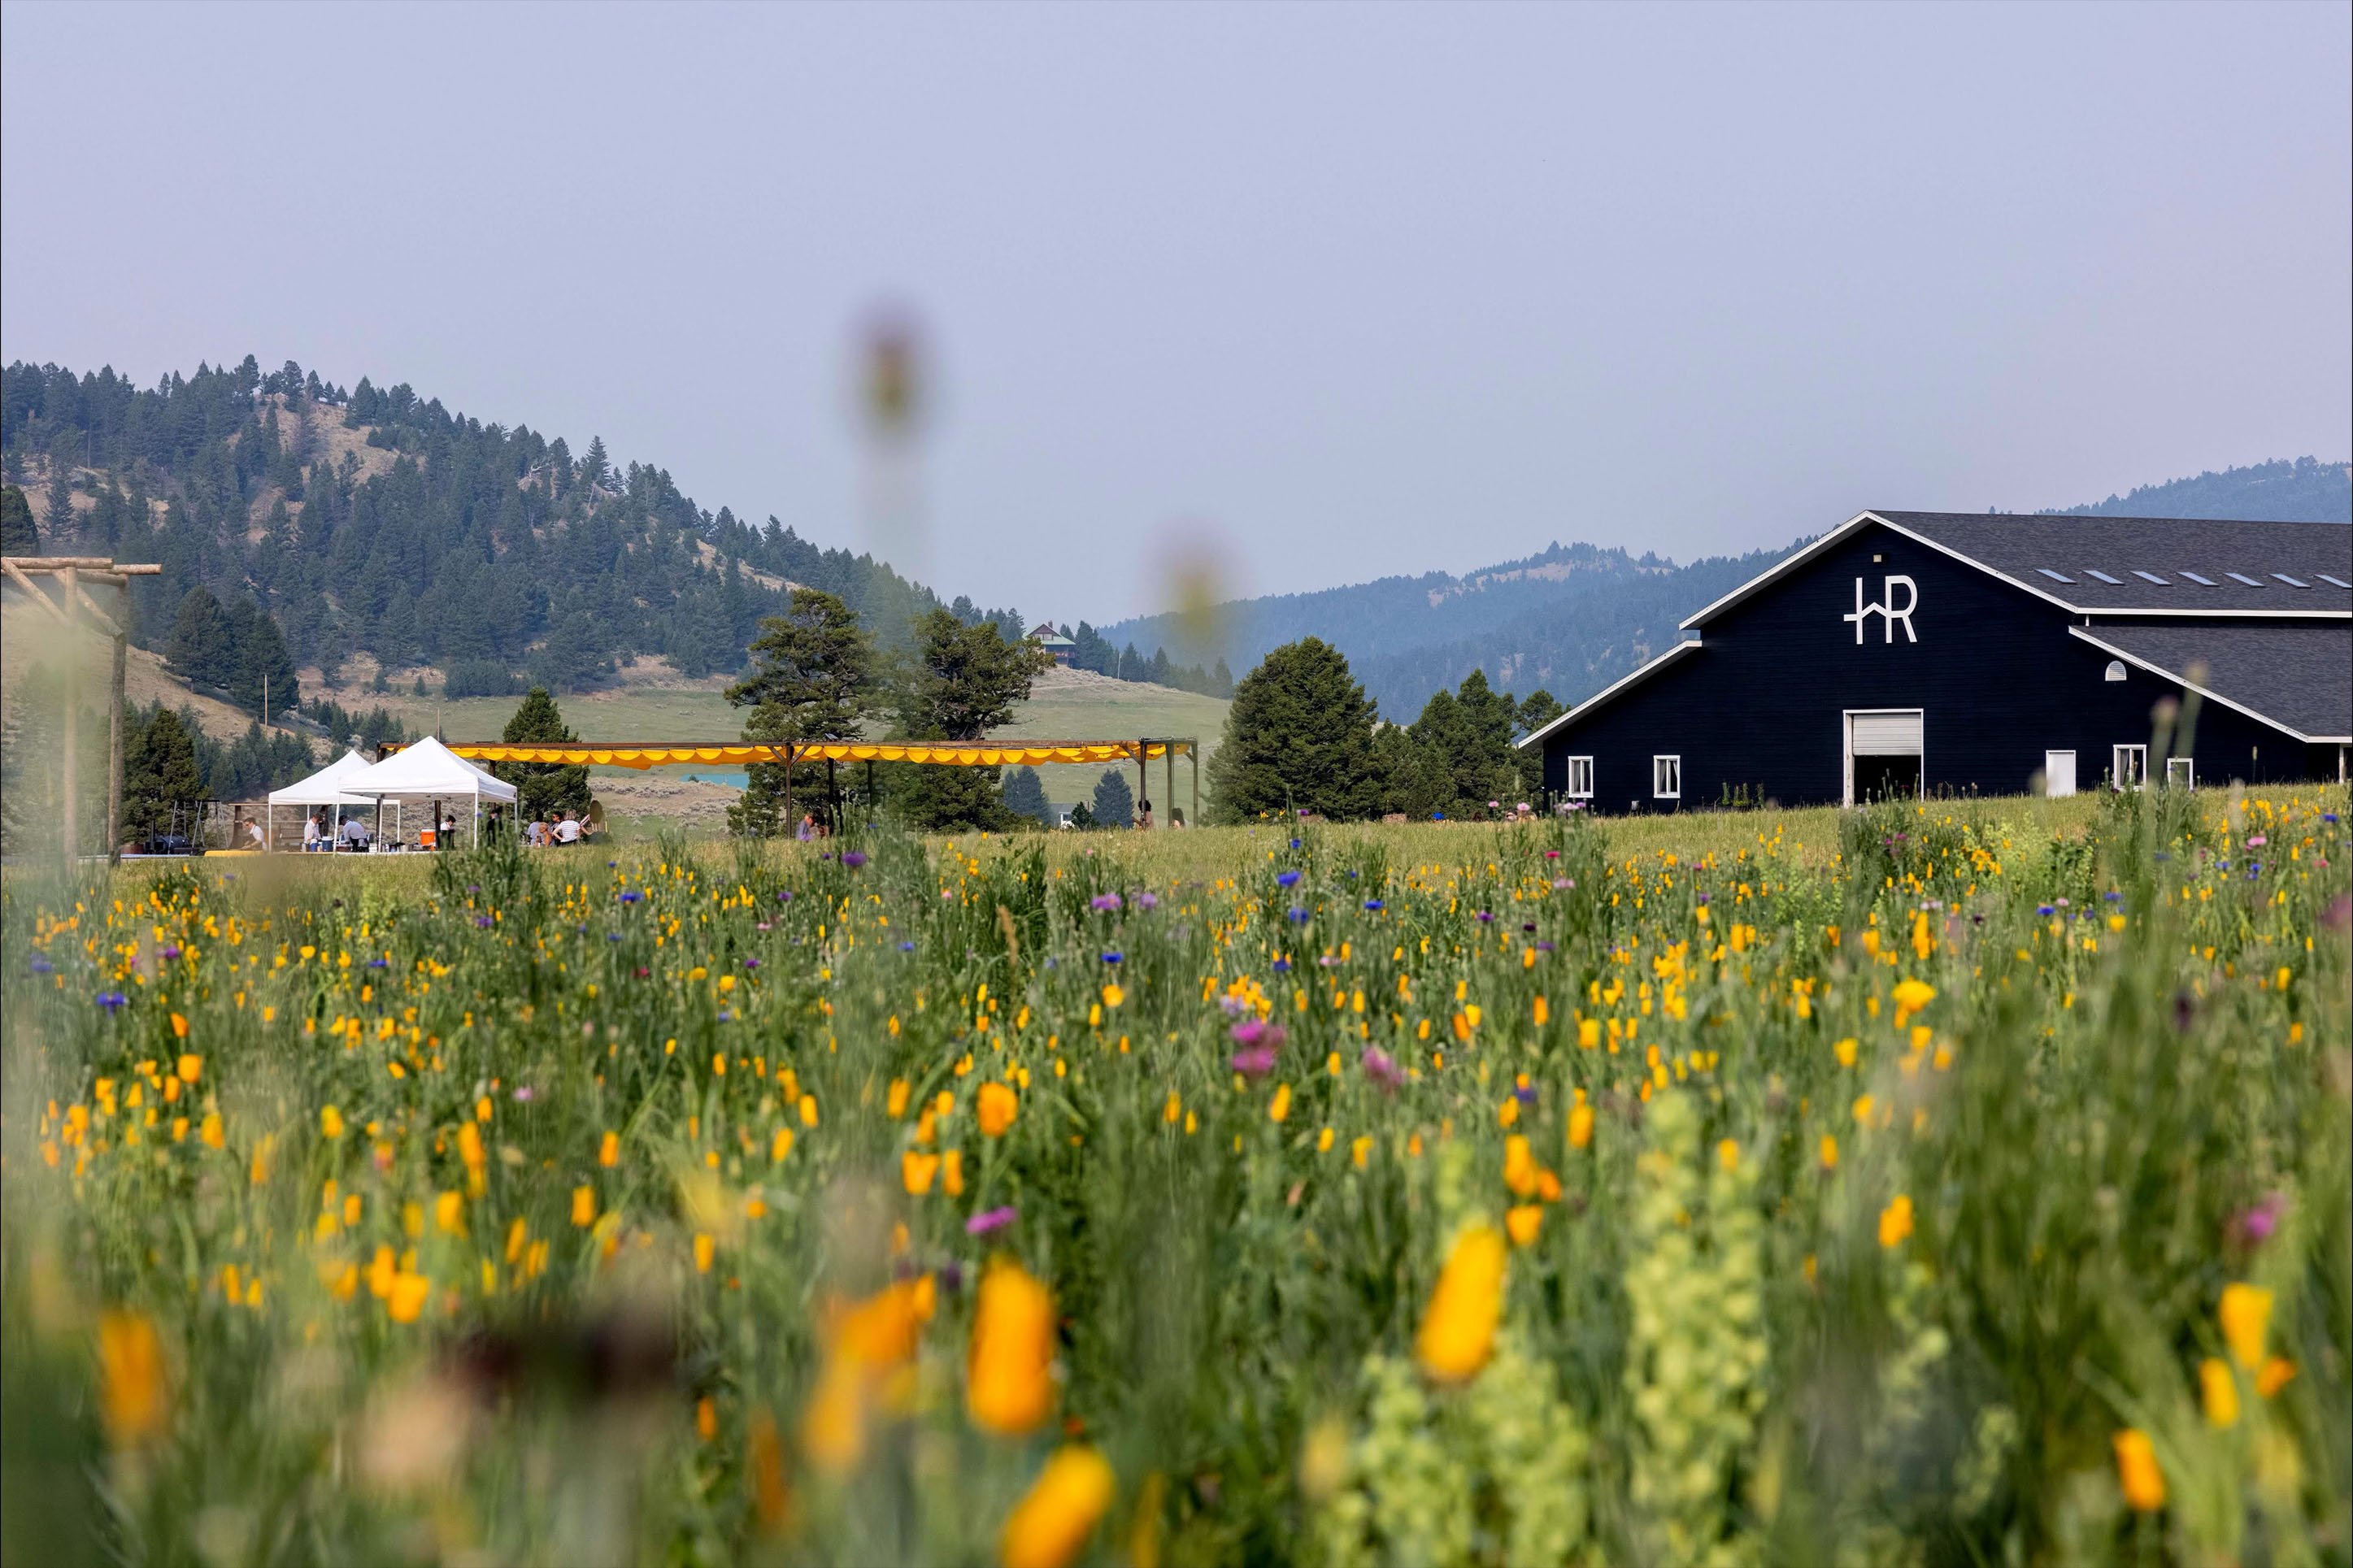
[(2290, 581), (2243, 577), (2103, 576), (2056, 576), (2339, 582), (2201, 582), (2151, 577)]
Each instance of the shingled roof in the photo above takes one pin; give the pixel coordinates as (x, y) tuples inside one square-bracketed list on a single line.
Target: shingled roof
[(2248, 567), (2297, 676), (2105, 565)]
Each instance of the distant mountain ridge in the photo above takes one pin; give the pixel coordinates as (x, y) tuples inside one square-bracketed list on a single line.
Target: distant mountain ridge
[(1573, 617)]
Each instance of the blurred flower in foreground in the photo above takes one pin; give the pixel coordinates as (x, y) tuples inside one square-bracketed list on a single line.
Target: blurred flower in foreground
[(2137, 1472), (1050, 1527), (2246, 1316), (1458, 1329), (131, 1375), (1009, 1372), (997, 1105)]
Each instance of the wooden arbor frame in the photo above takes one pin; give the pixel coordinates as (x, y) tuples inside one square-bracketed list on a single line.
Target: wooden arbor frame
[(951, 754), (71, 572)]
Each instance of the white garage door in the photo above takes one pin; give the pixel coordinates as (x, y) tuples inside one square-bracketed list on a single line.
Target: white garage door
[(1886, 734)]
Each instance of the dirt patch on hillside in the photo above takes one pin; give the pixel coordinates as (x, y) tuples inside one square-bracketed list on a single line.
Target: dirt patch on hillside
[(667, 801)]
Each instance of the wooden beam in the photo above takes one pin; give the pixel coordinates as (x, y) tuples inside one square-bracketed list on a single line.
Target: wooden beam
[(17, 576), (105, 622), (64, 563)]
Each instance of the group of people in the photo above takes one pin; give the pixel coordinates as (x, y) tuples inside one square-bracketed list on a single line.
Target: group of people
[(567, 829), (317, 837)]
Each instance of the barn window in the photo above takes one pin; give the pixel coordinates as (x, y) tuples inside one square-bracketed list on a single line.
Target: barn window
[(1580, 778), (2129, 768), (1666, 778), (2180, 773), (2116, 669)]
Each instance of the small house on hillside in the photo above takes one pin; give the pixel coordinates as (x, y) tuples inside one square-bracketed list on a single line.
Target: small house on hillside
[(1044, 635)]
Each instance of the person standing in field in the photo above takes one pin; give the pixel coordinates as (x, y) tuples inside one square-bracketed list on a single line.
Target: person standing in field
[(567, 832)]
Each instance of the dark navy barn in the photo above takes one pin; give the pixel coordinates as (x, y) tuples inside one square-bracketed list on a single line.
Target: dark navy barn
[(1920, 653)]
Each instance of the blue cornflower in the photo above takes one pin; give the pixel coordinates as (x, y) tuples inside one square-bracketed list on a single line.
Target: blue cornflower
[(1286, 879), (42, 965), (630, 894), (906, 947), (1111, 958), (1373, 905), (112, 1000), (612, 936), (1298, 914), (484, 921)]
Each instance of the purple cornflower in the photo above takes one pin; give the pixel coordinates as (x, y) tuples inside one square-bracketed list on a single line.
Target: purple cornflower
[(988, 1220), (2258, 1223), (751, 963), (1106, 902), (484, 921), (1381, 1069), (112, 1001), (169, 954), (1148, 901), (853, 858)]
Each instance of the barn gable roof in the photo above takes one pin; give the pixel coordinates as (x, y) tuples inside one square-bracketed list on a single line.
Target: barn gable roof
[(2123, 565), (2298, 677), (1640, 673)]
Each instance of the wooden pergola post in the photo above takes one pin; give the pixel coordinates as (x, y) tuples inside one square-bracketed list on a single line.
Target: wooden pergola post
[(69, 571)]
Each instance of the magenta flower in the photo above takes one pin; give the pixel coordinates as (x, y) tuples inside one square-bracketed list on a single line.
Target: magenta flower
[(1381, 1069), (1254, 1061), (1104, 901), (2256, 1226), (991, 1219)]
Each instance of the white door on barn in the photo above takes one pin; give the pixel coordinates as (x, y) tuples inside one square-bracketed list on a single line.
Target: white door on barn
[(1885, 753), (2058, 775)]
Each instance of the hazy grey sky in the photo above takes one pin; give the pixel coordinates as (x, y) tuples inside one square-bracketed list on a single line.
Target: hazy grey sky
[(1373, 289)]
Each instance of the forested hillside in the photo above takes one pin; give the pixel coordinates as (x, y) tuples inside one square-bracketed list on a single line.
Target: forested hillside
[(2304, 490), (375, 521), (1569, 619), (1576, 618)]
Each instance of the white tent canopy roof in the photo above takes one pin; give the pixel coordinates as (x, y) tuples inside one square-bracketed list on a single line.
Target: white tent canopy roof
[(426, 771), (327, 786)]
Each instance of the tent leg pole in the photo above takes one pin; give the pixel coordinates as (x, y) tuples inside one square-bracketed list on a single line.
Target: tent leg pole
[(1168, 784), (1194, 758), (792, 828), (1142, 774)]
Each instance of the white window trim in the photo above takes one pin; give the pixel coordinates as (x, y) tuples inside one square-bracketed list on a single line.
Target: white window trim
[(2116, 769), (1677, 759), (1573, 792), (2189, 766)]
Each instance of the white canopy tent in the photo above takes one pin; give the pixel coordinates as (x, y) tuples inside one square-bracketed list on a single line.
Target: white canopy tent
[(325, 787), (432, 771)]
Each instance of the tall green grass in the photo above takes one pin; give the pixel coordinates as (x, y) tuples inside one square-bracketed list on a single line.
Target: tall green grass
[(1810, 1266)]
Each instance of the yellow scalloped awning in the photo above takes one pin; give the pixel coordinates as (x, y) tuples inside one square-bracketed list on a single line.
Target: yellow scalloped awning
[(985, 755)]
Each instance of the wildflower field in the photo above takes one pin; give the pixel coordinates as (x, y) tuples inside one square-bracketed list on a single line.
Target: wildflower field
[(1961, 1184)]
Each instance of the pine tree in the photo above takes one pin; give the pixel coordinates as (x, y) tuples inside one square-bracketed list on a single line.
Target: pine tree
[(959, 683), (813, 679), (1299, 736), (19, 535), (542, 789), (203, 647), (1114, 802), (1025, 796), (159, 772)]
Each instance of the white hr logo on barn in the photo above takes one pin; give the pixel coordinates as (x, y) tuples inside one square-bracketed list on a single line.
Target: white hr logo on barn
[(1887, 613)]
